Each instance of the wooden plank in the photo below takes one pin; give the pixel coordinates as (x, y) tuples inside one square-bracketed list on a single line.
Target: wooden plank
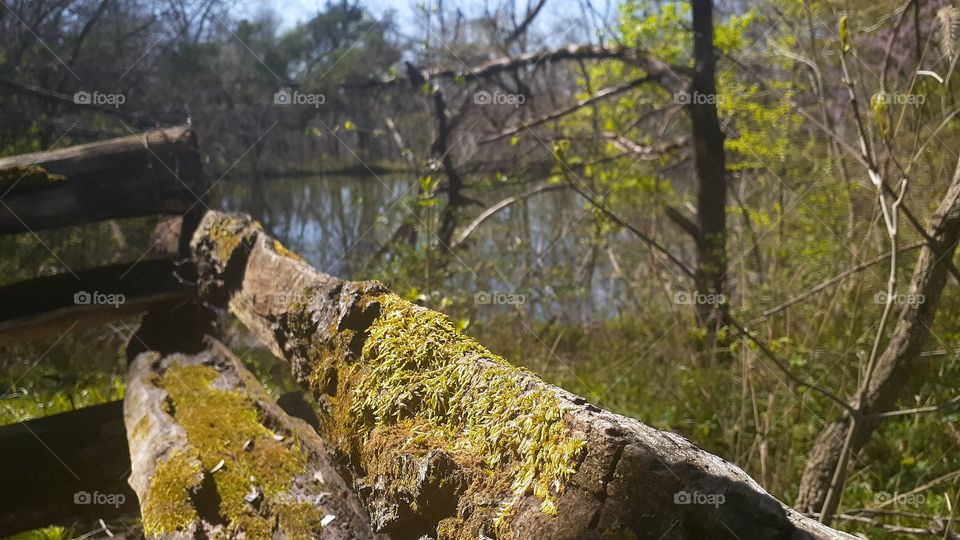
[(214, 457), (157, 172), (443, 438), (65, 468)]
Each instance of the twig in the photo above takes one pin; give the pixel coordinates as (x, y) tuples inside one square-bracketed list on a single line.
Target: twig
[(486, 214), (824, 284)]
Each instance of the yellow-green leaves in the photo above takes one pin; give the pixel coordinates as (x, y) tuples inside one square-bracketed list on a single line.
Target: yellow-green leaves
[(879, 103), (844, 34)]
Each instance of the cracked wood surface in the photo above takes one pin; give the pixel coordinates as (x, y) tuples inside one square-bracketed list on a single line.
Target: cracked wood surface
[(408, 413)]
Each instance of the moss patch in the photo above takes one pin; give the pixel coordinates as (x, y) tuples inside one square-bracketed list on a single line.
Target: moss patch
[(226, 425), (168, 506), (19, 179), (282, 250), (416, 365), (226, 234)]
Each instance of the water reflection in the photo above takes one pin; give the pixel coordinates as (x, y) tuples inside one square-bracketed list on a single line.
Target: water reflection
[(544, 249), (334, 222)]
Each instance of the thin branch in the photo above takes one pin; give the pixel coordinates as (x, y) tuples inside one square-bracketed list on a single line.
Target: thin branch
[(522, 27), (553, 115), (489, 212), (636, 232), (824, 284)]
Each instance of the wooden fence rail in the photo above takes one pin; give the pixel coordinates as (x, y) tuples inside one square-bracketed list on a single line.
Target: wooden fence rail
[(424, 433), (158, 172)]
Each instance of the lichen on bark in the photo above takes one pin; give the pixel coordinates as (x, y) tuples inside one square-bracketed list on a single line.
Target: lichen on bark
[(25, 178)]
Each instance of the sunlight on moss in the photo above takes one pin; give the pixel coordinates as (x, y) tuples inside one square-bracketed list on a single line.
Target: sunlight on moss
[(418, 366), (225, 425), (167, 507)]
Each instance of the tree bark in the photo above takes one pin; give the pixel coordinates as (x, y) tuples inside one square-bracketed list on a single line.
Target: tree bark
[(710, 166), (445, 439), (212, 455), (896, 366)]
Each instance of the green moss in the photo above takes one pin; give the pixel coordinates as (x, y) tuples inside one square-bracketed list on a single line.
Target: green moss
[(226, 425), (298, 519), (282, 250), (415, 364), (168, 506), (227, 233)]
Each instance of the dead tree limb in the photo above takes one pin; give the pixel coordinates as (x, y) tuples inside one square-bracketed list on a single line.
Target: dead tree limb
[(489, 212), (212, 455), (158, 172), (445, 439), (579, 104)]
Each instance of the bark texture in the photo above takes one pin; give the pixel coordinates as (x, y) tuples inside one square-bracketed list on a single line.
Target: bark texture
[(212, 456), (897, 366), (445, 440)]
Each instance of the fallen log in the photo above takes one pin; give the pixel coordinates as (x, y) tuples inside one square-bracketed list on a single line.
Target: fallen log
[(37, 308), (212, 456), (157, 172), (65, 468), (446, 440), (162, 276)]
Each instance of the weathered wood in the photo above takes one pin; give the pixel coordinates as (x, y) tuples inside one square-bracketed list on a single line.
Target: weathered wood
[(212, 456), (40, 307), (65, 468), (158, 172), (447, 440)]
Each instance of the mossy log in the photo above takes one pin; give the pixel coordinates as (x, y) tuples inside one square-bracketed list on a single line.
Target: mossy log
[(212, 456), (446, 440)]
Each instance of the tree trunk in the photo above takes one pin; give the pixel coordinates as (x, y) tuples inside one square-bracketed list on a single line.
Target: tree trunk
[(710, 166), (897, 365), (212, 455), (445, 439)]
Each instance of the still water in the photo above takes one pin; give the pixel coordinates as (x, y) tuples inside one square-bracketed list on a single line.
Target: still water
[(538, 253)]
